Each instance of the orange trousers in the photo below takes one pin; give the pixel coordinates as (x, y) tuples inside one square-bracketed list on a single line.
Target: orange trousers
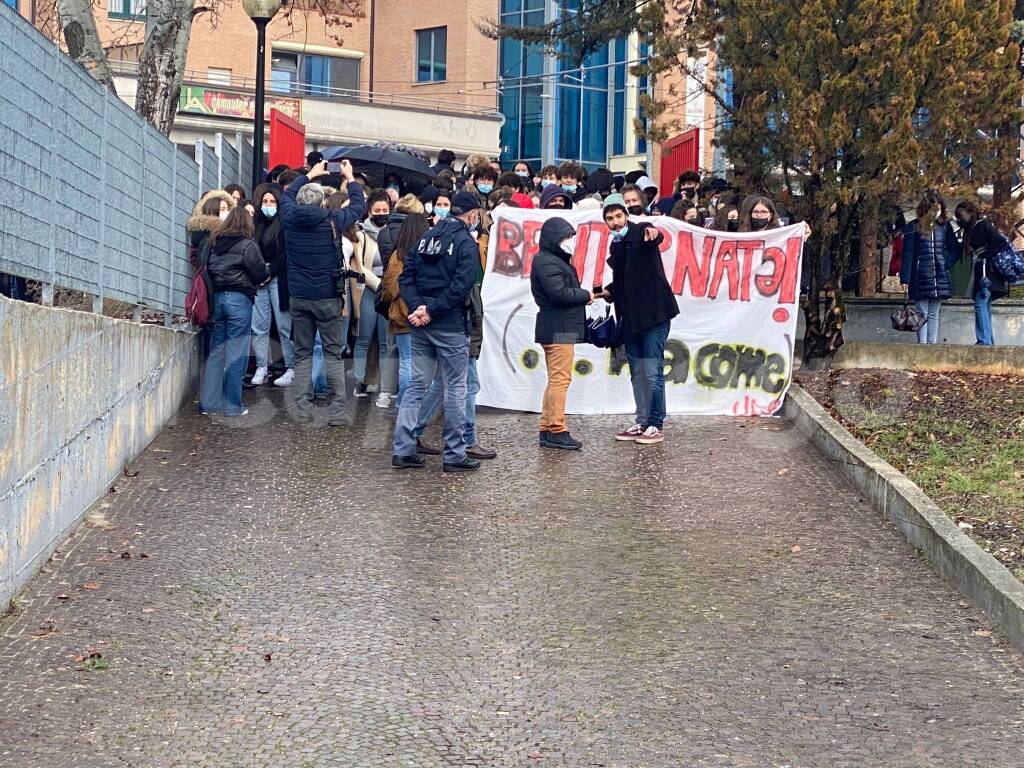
[(559, 359)]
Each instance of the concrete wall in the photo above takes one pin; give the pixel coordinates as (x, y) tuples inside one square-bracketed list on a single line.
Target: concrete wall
[(80, 396), (1006, 360), (868, 320)]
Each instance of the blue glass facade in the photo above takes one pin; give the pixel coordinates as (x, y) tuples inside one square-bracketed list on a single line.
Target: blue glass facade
[(587, 110)]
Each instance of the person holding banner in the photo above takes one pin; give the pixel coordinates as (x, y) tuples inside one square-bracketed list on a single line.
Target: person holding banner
[(645, 306), (560, 325)]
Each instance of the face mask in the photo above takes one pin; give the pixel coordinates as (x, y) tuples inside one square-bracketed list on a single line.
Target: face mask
[(270, 211), (473, 227), (223, 215), (428, 207), (621, 233), (545, 183), (759, 224), (485, 189), (523, 174), (733, 225), (568, 246), (441, 212), (394, 187), (689, 192), (380, 220), (570, 188), (691, 221), (636, 210)]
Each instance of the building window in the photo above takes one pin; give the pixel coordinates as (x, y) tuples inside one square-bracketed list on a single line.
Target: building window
[(12, 3), (126, 9), (218, 76), (308, 73), (431, 55)]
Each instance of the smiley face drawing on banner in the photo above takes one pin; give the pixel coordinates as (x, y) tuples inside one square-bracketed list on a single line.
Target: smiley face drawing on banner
[(729, 351)]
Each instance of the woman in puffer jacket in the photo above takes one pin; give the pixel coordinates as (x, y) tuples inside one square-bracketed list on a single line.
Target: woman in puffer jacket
[(210, 211), (237, 270), (930, 248)]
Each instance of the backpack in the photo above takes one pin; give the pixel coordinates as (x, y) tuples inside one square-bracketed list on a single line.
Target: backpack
[(199, 301), (1008, 262)]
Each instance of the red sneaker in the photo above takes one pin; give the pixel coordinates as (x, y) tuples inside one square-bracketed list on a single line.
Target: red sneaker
[(630, 435), (651, 436)]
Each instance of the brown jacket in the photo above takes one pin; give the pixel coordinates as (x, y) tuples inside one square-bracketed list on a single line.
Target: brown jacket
[(398, 313)]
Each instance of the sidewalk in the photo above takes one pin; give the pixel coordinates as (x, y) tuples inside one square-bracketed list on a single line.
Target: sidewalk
[(278, 596)]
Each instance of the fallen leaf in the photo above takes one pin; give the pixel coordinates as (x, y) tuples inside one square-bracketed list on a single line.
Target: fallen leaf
[(91, 585), (268, 657), (795, 548), (45, 629), (982, 633), (783, 472), (126, 555)]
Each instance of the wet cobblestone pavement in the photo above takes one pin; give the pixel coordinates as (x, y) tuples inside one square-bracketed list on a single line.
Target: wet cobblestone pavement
[(272, 595)]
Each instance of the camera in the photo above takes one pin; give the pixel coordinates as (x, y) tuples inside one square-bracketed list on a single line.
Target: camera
[(341, 275)]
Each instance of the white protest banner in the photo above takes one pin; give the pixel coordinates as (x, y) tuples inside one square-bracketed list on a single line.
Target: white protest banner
[(730, 350)]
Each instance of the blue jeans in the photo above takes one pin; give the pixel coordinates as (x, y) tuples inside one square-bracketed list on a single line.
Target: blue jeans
[(221, 390), (369, 323), (403, 342), (268, 301), (432, 404), (983, 311), (447, 353), (929, 332), (646, 354)]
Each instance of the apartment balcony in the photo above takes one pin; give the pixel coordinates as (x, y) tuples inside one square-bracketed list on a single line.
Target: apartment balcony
[(331, 115)]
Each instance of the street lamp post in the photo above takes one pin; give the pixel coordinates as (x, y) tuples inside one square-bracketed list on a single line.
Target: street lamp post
[(261, 12)]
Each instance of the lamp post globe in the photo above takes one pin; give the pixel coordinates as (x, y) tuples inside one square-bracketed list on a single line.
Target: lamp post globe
[(261, 12)]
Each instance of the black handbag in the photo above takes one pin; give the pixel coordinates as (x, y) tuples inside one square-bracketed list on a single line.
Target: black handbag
[(909, 319), (603, 332)]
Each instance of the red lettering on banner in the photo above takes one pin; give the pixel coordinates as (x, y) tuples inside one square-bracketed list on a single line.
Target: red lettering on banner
[(506, 260), (747, 248), (726, 264), (768, 285), (531, 237), (794, 247), (583, 235), (686, 268)]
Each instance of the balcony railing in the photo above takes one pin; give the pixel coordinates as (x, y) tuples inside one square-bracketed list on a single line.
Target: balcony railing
[(315, 91)]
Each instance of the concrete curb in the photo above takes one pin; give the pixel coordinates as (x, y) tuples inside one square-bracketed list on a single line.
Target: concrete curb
[(978, 575)]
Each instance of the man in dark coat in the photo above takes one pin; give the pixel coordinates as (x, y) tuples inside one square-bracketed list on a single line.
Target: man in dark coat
[(436, 283), (561, 322), (645, 305), (314, 266)]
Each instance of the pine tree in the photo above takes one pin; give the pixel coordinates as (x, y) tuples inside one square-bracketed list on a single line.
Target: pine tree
[(843, 104)]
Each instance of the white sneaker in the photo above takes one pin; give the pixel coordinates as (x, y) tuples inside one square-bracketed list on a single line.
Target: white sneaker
[(286, 378), (260, 377), (384, 400)]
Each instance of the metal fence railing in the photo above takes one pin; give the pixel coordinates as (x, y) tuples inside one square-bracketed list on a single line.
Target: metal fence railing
[(95, 199)]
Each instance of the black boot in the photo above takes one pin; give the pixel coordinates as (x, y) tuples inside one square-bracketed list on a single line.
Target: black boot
[(408, 462), (544, 435), (562, 440), (468, 464)]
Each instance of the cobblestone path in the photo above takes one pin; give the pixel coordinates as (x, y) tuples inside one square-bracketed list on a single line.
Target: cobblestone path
[(271, 595)]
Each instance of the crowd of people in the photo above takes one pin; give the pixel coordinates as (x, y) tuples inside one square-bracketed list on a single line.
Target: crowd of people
[(389, 271)]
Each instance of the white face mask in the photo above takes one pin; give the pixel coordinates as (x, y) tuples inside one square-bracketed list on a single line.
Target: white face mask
[(428, 207), (223, 215), (347, 248), (569, 245)]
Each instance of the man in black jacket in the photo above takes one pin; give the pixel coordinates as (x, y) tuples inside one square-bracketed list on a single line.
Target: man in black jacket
[(436, 282), (314, 266), (645, 305), (561, 322)]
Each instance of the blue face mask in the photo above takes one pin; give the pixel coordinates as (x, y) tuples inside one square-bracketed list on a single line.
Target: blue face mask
[(546, 183), (570, 188), (523, 174), (394, 187), (441, 213), (485, 189), (621, 233), (270, 211)]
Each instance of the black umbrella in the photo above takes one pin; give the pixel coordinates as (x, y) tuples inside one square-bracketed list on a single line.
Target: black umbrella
[(379, 160)]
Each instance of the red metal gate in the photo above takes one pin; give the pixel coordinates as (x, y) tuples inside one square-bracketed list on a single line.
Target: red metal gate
[(287, 141), (678, 154)]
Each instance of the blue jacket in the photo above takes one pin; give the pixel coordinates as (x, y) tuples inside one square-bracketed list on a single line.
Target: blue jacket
[(927, 258), (440, 272), (311, 243)]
